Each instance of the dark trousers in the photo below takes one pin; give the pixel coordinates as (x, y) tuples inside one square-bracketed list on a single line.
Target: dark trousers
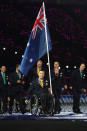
[(57, 103), (0, 100), (57, 93), (5, 103), (18, 96), (76, 100), (46, 101), (4, 98), (43, 98)]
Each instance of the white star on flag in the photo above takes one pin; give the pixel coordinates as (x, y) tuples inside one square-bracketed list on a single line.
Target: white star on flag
[(31, 60), (28, 44)]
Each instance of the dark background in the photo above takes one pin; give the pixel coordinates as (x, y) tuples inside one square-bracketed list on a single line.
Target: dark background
[(68, 27), (67, 20)]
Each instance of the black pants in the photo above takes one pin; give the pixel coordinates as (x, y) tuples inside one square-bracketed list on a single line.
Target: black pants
[(18, 96), (4, 98), (0, 99), (57, 93), (5, 102), (46, 102), (57, 103), (0, 104), (76, 100)]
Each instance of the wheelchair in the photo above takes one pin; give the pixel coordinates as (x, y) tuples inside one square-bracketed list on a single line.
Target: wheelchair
[(35, 107)]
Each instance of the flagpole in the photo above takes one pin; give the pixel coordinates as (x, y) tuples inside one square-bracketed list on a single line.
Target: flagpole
[(47, 49)]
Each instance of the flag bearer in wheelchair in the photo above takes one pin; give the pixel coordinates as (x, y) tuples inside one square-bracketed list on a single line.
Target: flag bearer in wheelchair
[(40, 88)]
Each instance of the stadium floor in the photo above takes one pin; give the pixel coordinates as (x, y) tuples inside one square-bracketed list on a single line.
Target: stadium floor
[(65, 121), (62, 116)]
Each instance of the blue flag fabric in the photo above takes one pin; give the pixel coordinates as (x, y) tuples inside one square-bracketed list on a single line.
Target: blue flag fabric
[(36, 46)]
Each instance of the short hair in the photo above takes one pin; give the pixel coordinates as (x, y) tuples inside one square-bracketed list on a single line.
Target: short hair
[(17, 65), (42, 70), (2, 66), (39, 60), (82, 63), (57, 62)]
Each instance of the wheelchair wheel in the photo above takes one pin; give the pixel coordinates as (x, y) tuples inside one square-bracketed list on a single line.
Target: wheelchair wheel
[(34, 105)]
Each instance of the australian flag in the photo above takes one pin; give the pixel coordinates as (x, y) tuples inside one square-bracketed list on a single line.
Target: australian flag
[(36, 46)]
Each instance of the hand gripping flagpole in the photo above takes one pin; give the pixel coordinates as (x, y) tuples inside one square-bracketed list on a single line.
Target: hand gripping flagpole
[(47, 49)]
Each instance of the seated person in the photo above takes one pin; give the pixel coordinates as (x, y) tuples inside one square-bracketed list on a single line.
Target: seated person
[(40, 88)]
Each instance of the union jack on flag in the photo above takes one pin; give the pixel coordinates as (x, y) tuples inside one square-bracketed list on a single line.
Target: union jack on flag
[(40, 22)]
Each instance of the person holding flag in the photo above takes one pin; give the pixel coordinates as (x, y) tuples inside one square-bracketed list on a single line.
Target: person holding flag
[(38, 45), (40, 88)]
